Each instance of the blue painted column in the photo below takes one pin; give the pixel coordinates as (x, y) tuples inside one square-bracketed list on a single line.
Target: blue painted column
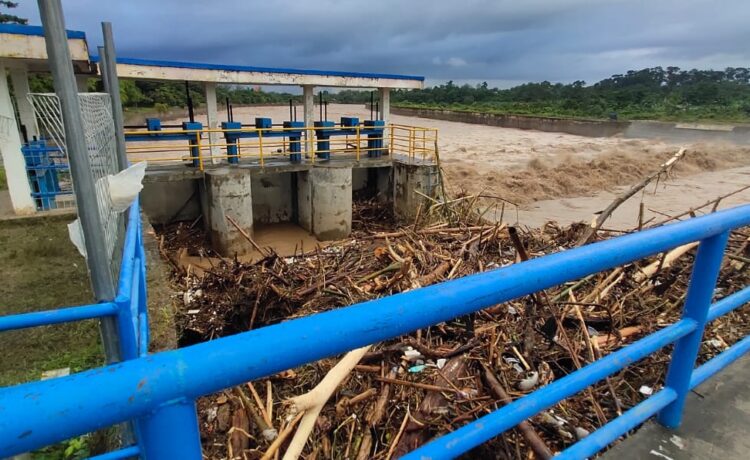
[(232, 138), (323, 135), (295, 140), (375, 138), (171, 431), (195, 152), (698, 301)]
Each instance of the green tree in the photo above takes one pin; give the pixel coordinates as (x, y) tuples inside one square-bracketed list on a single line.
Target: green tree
[(7, 18), (130, 94)]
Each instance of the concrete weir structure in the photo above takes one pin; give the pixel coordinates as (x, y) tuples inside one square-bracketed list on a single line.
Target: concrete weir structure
[(316, 197), (235, 195), (22, 50)]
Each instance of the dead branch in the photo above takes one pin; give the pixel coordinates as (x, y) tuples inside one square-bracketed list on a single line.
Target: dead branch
[(604, 215), (312, 402)]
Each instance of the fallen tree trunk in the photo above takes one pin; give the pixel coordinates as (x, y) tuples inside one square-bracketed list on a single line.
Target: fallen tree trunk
[(312, 402)]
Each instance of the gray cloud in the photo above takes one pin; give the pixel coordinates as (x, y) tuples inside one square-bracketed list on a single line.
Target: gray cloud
[(500, 41)]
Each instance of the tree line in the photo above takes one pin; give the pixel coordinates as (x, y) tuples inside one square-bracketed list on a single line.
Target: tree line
[(652, 93)]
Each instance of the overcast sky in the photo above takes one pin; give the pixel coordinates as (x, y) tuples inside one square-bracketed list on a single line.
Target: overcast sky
[(503, 42)]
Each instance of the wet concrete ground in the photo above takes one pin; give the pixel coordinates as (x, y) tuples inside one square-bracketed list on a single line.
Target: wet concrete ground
[(716, 424)]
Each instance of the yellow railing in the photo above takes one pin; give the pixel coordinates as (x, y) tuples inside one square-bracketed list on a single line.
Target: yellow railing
[(399, 141)]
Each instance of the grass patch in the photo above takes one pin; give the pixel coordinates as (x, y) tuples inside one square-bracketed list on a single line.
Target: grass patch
[(41, 270), (3, 180)]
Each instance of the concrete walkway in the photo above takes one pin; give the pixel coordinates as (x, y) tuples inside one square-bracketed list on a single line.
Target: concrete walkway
[(716, 424)]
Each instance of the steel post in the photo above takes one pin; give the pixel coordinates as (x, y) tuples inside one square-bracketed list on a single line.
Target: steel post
[(171, 431), (97, 258), (114, 94), (697, 303), (103, 68)]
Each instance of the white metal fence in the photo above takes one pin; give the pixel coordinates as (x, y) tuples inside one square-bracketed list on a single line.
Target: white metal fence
[(98, 126)]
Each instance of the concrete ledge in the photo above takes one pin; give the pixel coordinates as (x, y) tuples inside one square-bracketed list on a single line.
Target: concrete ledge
[(639, 129), (716, 424), (589, 128)]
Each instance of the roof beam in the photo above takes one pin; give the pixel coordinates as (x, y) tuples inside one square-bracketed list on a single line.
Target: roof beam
[(177, 71)]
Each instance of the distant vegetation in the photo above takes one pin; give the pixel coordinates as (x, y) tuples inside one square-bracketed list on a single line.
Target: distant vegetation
[(654, 93)]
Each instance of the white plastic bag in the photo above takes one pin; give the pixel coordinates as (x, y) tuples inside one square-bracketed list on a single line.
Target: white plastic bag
[(123, 188), (75, 232), (126, 185)]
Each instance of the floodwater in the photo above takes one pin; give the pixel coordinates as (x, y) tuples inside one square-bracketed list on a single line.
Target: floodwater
[(563, 177), (671, 198), (286, 239)]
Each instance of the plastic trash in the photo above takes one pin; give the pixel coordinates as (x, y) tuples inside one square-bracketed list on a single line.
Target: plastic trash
[(411, 354), (416, 369), (269, 434), (529, 382), (123, 188), (75, 233), (126, 185)]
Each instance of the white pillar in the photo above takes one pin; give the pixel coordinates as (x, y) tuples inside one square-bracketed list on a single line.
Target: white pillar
[(20, 80), (385, 104), (213, 121), (82, 82), (308, 100), (10, 147)]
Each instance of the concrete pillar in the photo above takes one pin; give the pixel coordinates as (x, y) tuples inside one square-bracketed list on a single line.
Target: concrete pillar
[(82, 82), (10, 147), (385, 104), (410, 177), (228, 193), (20, 80), (324, 197), (308, 102), (213, 121)]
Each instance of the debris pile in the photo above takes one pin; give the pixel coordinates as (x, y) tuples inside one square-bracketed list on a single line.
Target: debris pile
[(390, 398)]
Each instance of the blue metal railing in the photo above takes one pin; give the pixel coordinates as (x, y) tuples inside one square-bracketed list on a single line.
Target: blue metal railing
[(158, 391), (44, 163)]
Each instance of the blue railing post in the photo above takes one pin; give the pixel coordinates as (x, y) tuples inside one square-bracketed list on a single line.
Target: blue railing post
[(170, 431), (698, 301)]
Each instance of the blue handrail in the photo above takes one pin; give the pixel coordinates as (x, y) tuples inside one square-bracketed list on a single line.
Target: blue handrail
[(158, 391)]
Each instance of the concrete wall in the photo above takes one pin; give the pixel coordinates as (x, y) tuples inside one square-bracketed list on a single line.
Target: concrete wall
[(372, 183), (589, 128), (668, 131), (304, 200), (273, 197), (359, 179), (688, 132), (170, 201)]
